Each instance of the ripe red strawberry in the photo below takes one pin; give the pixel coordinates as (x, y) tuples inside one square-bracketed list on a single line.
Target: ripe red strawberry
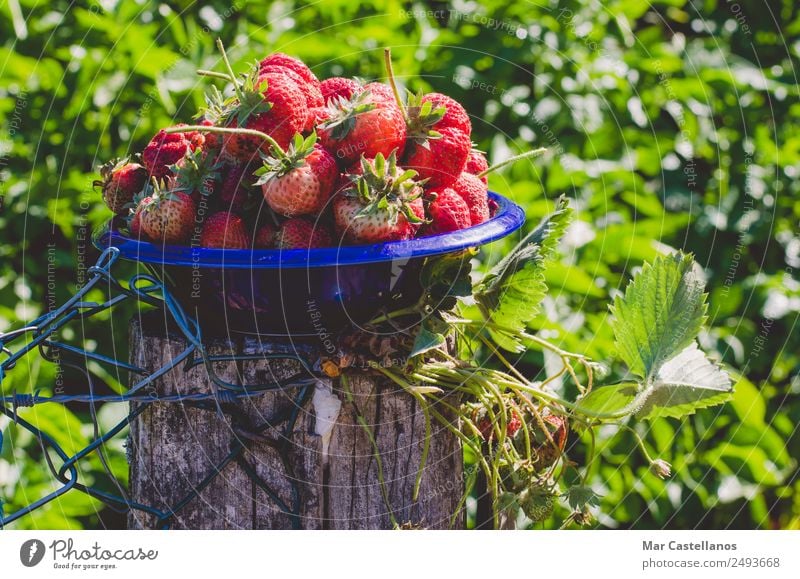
[(299, 233), (164, 150), (167, 216), (486, 426), (300, 181), (476, 195), (477, 163), (384, 203), (224, 230), (312, 91), (265, 237), (292, 63), (279, 111), (120, 182), (211, 141), (235, 188), (440, 160), (455, 117), (339, 86), (380, 90), (316, 117), (365, 125), (447, 212)]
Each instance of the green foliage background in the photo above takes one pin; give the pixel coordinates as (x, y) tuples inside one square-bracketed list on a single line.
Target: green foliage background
[(671, 124)]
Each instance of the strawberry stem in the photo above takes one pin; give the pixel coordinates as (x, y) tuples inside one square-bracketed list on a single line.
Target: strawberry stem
[(387, 59), (231, 74), (514, 159), (229, 131), (215, 74)]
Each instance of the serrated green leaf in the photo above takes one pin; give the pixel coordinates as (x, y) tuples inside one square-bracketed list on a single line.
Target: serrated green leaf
[(685, 384), (431, 335), (660, 314), (510, 294)]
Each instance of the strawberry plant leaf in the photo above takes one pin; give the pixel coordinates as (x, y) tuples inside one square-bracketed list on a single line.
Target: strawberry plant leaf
[(609, 399), (660, 314), (510, 294), (685, 384)]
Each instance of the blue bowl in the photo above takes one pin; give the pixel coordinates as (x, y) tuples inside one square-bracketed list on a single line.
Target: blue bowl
[(302, 291)]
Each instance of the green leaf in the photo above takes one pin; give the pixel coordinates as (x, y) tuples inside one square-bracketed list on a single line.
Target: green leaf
[(609, 399), (512, 291), (661, 313), (685, 384), (427, 339)]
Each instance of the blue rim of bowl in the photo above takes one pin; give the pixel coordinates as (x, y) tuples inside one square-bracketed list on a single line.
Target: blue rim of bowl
[(507, 218)]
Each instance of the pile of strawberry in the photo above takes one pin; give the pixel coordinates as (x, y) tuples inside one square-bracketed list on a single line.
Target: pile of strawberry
[(289, 161)]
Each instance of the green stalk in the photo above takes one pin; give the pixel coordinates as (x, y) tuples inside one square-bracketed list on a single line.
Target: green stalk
[(387, 59), (229, 131), (232, 74), (514, 159), (214, 74)]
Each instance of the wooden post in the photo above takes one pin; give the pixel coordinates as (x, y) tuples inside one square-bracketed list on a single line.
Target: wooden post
[(328, 469)]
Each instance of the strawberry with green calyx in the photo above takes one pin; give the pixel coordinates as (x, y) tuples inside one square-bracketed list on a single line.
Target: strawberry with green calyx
[(300, 233), (224, 230), (437, 152), (299, 181), (197, 174), (383, 203), (267, 102), (120, 181), (366, 124), (167, 216)]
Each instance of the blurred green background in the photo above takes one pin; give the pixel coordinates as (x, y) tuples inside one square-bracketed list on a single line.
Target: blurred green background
[(671, 124)]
